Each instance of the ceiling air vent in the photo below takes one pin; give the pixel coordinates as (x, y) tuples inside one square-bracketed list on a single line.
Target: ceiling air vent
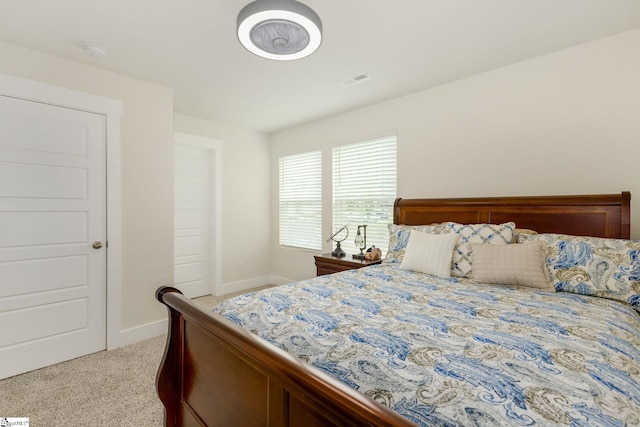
[(358, 78)]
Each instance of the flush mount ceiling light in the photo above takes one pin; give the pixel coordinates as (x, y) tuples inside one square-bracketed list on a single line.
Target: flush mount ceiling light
[(279, 29), (95, 51)]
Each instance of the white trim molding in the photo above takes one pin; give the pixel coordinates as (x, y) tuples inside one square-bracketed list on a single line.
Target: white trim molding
[(31, 90), (249, 284), (143, 332), (160, 327)]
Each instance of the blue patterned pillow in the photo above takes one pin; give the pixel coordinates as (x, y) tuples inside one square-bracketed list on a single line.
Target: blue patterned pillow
[(399, 237), (607, 268), (492, 234)]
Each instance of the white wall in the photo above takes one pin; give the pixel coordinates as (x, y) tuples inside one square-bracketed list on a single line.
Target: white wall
[(563, 123), (147, 171), (246, 198)]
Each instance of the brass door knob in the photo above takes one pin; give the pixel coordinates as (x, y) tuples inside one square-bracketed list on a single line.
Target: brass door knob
[(97, 245)]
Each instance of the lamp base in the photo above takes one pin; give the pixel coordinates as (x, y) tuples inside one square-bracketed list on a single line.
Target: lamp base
[(338, 252), (359, 256)]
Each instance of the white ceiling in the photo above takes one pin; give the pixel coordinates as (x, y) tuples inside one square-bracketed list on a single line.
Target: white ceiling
[(403, 45)]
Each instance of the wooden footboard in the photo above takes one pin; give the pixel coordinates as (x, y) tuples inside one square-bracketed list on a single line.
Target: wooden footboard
[(214, 373)]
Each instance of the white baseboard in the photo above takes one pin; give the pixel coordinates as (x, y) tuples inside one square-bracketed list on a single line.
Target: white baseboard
[(143, 332), (159, 327), (194, 290), (278, 281), (249, 284)]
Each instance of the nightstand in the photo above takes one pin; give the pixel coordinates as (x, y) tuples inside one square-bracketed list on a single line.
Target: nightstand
[(327, 264)]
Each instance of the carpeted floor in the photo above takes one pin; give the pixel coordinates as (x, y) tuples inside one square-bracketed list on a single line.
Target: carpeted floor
[(114, 387)]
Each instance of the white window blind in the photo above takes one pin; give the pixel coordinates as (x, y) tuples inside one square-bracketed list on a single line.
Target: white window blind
[(301, 200), (364, 190)]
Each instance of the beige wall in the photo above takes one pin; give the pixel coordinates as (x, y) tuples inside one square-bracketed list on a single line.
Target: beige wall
[(564, 123), (147, 170), (147, 128), (246, 197)]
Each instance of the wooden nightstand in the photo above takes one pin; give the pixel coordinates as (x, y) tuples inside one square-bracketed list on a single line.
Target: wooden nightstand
[(327, 264)]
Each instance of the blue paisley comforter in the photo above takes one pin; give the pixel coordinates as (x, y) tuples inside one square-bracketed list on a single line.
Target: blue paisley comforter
[(454, 352)]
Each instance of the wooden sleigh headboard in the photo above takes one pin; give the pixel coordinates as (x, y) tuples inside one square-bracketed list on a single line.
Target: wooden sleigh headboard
[(215, 373), (603, 215)]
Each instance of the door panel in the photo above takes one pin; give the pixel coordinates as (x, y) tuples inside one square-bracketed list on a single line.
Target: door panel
[(24, 325), (21, 130), (42, 275), (52, 207), (36, 181), (42, 228), (192, 221)]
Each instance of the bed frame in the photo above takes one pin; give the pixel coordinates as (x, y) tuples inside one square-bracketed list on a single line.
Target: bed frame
[(215, 373)]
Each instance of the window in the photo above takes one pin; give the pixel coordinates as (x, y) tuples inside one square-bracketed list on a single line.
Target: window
[(301, 200), (364, 189)]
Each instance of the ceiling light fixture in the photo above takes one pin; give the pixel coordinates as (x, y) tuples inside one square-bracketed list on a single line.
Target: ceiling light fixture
[(279, 29), (95, 51)]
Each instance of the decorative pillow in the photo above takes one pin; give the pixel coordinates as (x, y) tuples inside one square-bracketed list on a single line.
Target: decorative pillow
[(518, 231), (493, 234), (399, 237), (429, 253), (607, 268), (516, 265)]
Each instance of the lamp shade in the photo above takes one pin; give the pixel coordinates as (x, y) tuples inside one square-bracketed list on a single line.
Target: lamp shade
[(279, 29)]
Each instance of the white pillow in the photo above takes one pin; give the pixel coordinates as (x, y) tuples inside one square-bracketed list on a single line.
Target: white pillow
[(429, 253)]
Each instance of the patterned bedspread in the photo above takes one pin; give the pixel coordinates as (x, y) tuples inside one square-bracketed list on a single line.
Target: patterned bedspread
[(454, 352)]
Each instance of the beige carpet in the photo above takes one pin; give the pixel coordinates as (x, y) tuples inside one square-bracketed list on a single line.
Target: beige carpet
[(107, 388)]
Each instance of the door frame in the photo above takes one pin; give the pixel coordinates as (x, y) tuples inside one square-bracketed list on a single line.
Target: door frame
[(45, 93), (215, 158)]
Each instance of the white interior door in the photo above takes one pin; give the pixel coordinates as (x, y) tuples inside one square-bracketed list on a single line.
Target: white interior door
[(52, 209), (193, 220)]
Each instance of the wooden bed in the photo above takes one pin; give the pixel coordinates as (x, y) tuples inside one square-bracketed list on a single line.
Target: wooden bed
[(212, 368)]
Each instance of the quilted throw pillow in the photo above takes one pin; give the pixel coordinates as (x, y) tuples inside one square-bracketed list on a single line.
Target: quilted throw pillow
[(512, 265), (492, 234), (399, 237), (607, 268)]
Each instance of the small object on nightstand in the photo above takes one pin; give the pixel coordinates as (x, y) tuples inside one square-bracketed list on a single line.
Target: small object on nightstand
[(373, 254), (360, 242), (338, 252)]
